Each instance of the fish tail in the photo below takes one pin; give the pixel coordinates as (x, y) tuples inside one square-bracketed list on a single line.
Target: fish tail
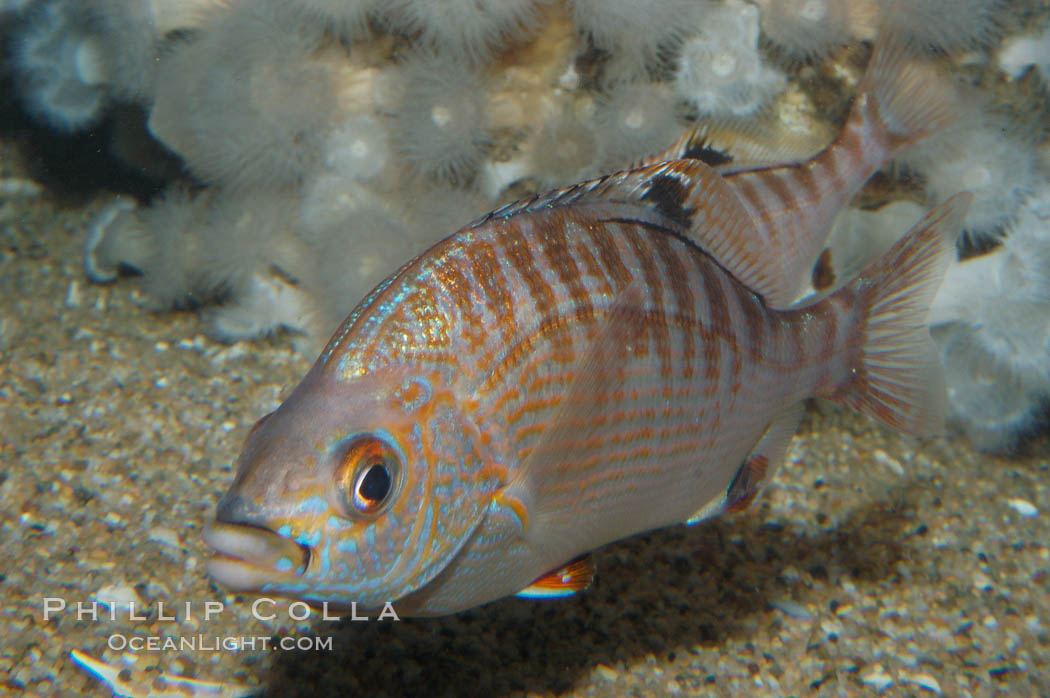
[(907, 99), (896, 375), (902, 100)]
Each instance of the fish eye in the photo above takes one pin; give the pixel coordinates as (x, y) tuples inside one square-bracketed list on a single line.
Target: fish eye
[(368, 476)]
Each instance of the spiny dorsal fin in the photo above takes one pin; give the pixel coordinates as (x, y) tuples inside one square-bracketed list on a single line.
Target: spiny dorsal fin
[(708, 212), (567, 580), (733, 145), (692, 200)]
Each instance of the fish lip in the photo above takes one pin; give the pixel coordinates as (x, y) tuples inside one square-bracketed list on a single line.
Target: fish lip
[(248, 557)]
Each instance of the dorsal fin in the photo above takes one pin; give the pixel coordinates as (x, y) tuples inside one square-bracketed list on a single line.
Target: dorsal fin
[(708, 212), (734, 145), (694, 201)]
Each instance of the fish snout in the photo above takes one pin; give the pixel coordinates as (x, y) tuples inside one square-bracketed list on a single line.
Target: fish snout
[(234, 508), (247, 556)]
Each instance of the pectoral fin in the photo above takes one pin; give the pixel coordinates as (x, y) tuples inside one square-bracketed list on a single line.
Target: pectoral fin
[(567, 580)]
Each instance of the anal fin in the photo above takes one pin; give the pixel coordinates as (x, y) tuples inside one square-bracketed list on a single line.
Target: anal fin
[(759, 466), (567, 580)]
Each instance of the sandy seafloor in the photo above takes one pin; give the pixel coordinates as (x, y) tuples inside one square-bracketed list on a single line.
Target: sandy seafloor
[(873, 563)]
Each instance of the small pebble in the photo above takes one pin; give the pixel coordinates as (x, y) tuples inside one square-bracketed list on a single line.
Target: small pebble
[(120, 597), (165, 536), (73, 294), (922, 681), (1023, 507), (877, 678), (889, 461), (606, 672), (981, 581), (791, 608)]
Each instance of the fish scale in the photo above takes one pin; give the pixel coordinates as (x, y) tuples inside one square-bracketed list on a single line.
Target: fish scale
[(586, 364)]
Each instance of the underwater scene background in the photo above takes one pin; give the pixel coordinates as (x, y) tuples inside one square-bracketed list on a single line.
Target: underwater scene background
[(194, 194)]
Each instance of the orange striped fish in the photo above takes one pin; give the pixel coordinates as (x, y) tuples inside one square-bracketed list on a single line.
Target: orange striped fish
[(601, 360)]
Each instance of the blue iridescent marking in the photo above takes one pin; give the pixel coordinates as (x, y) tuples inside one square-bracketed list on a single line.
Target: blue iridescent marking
[(309, 539), (284, 565), (299, 588), (313, 505), (348, 546), (370, 538), (428, 391), (338, 523), (285, 530), (326, 562), (427, 521)]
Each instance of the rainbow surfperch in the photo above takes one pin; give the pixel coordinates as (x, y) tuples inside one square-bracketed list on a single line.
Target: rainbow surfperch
[(610, 358)]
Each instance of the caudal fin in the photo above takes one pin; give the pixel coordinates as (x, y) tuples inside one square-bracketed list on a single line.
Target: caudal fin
[(898, 377), (910, 98)]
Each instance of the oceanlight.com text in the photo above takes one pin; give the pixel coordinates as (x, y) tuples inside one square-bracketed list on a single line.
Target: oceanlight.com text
[(216, 643)]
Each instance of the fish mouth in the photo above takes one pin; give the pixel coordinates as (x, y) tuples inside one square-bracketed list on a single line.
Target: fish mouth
[(248, 557)]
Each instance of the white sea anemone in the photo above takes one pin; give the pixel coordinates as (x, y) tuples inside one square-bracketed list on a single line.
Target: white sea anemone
[(74, 58), (169, 242), (358, 149), (565, 150), (807, 29), (128, 44), (465, 29), (635, 120), (1018, 53), (945, 25), (984, 398), (349, 18), (440, 211), (267, 302), (60, 73), (439, 124), (251, 102), (992, 316), (1004, 296), (351, 257), (719, 69), (983, 154), (635, 33)]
